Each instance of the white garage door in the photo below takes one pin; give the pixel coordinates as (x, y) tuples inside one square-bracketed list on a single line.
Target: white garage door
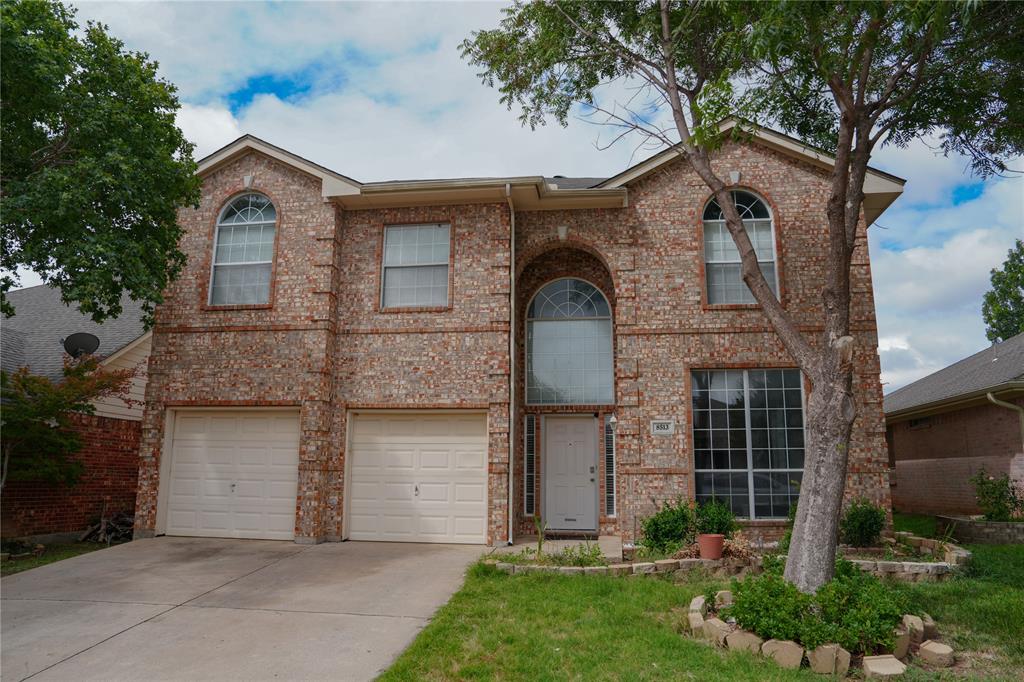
[(418, 478), (234, 474)]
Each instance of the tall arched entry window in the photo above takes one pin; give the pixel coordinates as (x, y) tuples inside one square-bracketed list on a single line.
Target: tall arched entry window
[(569, 345)]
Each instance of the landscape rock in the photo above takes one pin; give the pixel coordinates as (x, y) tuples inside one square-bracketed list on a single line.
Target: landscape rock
[(723, 598), (882, 667), (697, 604), (716, 630), (689, 564), (620, 569), (936, 653), (741, 640), (915, 626), (643, 568), (902, 642), (829, 659), (784, 652), (504, 567), (596, 570), (696, 622), (931, 630), (666, 565), (570, 570)]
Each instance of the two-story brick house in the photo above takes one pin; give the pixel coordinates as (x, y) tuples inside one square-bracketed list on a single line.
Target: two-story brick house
[(441, 360)]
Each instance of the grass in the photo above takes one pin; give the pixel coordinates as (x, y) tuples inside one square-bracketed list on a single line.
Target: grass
[(919, 524), (54, 552), (552, 627)]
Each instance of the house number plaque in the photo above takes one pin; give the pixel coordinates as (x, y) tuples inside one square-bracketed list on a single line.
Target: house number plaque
[(663, 427)]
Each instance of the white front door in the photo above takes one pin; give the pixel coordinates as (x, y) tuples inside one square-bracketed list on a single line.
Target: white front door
[(570, 473)]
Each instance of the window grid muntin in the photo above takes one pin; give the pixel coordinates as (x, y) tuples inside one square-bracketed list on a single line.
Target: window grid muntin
[(249, 215), (609, 467), (600, 359), (530, 465), (721, 258), (415, 265), (789, 381)]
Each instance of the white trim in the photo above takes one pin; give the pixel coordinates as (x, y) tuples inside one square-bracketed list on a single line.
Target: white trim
[(126, 348), (216, 240)]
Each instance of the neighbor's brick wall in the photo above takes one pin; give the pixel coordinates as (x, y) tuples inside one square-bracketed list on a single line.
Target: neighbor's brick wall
[(110, 454)]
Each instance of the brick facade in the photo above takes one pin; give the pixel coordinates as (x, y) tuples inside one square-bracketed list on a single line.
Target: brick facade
[(935, 455), (326, 346), (110, 455)]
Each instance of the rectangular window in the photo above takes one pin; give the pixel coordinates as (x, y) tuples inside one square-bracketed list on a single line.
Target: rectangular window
[(415, 266), (530, 465), (722, 261), (748, 439), (242, 261), (609, 467)]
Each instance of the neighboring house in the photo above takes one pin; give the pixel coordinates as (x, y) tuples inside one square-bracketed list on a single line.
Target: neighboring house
[(33, 338), (441, 360), (943, 428)]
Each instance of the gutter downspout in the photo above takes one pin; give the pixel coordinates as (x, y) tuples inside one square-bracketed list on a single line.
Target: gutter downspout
[(511, 360), (1010, 406)]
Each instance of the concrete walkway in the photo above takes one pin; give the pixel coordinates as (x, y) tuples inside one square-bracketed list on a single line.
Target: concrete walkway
[(203, 609)]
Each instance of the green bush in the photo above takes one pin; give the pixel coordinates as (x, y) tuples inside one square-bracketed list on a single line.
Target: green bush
[(997, 496), (671, 527), (715, 516), (854, 609), (584, 554), (862, 524)]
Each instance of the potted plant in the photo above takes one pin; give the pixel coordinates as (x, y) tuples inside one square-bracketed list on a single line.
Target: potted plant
[(715, 523)]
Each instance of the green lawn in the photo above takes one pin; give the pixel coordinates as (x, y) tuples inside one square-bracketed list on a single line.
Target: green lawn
[(550, 627), (918, 524), (55, 552)]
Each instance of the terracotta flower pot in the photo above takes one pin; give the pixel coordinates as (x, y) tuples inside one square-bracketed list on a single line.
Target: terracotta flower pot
[(710, 545)]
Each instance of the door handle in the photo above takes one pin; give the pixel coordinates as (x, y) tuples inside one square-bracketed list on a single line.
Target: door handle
[(591, 469), (416, 490), (233, 486)]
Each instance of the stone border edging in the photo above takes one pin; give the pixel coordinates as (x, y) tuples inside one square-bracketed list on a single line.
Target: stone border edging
[(983, 532)]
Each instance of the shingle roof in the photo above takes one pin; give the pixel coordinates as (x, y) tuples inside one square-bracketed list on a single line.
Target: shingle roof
[(33, 336), (991, 367), (574, 183)]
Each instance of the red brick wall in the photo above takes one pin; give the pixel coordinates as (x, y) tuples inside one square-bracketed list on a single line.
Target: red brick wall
[(934, 458), (110, 454)]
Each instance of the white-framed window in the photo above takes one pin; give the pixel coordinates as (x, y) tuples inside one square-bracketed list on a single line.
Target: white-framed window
[(569, 345), (748, 439), (243, 252), (416, 266), (722, 259)]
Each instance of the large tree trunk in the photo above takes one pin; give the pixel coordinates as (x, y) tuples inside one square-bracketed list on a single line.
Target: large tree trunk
[(812, 549)]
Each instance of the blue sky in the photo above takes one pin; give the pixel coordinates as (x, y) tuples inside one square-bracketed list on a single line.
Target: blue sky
[(378, 91)]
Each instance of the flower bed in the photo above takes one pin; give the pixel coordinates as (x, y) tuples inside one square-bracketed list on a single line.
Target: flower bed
[(980, 531)]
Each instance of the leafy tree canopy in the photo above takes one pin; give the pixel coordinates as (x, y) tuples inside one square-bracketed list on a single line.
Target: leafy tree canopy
[(92, 166), (39, 439), (1003, 306)]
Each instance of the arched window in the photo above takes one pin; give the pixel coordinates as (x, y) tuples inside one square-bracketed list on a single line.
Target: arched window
[(243, 252), (569, 345), (722, 260)]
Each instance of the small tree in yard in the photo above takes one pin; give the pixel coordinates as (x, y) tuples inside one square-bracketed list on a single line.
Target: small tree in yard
[(1003, 307), (36, 423), (92, 166), (846, 76)]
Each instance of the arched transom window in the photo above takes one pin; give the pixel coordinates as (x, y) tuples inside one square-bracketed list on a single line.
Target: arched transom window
[(722, 260), (244, 252), (569, 345)]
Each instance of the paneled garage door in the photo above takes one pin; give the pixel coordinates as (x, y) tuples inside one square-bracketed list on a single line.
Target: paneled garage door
[(418, 478), (234, 474)]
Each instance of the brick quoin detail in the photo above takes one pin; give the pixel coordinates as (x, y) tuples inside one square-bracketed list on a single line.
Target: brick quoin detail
[(110, 455), (325, 345)]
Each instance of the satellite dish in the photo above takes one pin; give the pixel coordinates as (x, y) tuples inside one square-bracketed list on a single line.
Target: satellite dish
[(81, 343)]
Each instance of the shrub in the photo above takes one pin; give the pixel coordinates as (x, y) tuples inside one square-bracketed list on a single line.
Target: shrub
[(997, 496), (670, 528), (585, 554), (715, 516), (862, 524), (854, 609)]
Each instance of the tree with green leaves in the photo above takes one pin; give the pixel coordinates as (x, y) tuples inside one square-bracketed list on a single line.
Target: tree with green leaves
[(92, 167), (39, 436), (1003, 305), (848, 77)]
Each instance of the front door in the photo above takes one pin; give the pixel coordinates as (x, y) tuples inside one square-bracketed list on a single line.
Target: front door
[(570, 473)]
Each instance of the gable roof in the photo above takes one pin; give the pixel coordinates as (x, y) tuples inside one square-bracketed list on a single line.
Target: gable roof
[(880, 188), (32, 338), (999, 367)]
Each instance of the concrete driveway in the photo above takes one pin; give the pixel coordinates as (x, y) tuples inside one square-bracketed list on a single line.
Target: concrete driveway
[(199, 609)]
